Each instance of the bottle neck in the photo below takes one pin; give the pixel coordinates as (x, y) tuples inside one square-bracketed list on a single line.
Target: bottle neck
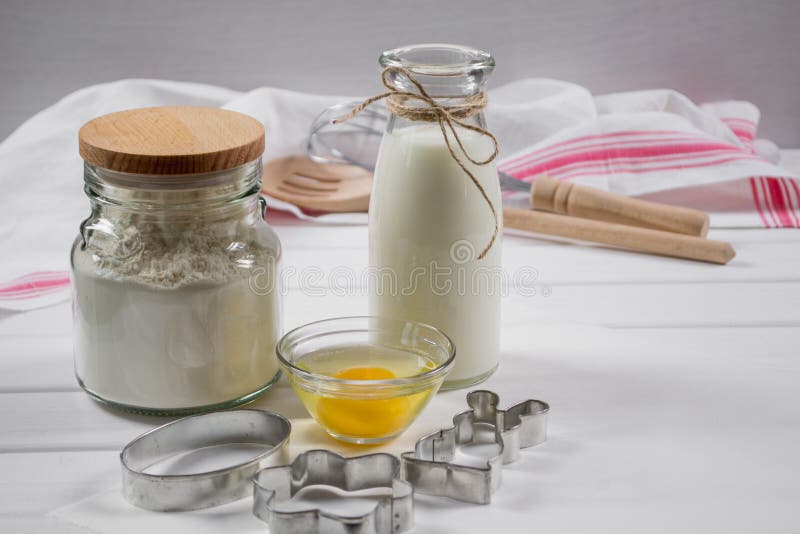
[(232, 193)]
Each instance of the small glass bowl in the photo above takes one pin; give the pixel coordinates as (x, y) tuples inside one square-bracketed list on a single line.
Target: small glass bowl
[(365, 379)]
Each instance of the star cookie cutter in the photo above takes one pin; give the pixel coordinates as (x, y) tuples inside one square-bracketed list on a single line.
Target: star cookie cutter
[(391, 514), (430, 468)]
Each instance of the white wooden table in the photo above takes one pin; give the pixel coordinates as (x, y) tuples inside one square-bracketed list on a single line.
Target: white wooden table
[(674, 388)]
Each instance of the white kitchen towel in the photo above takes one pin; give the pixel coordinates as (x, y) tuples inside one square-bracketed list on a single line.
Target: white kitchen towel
[(659, 145), (652, 143)]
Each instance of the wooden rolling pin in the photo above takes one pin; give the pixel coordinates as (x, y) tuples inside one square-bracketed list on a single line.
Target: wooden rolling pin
[(620, 235), (591, 203)]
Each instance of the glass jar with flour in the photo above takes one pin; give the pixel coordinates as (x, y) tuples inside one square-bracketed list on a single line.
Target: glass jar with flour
[(175, 303), (435, 211)]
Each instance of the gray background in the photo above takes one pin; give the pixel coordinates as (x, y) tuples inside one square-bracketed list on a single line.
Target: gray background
[(708, 49)]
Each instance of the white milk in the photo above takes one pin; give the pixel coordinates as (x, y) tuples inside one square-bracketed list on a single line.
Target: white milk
[(428, 223)]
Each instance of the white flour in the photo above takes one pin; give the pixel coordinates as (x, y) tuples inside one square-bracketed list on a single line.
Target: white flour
[(168, 319)]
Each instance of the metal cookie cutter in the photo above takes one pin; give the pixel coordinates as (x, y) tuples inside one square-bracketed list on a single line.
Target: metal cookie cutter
[(391, 514), (429, 467), (181, 492)]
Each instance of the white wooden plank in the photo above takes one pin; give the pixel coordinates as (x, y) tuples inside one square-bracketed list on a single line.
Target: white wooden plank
[(617, 306), (63, 422), (565, 264), (665, 305), (16, 328), (37, 364), (297, 235), (35, 483), (37, 523), (757, 235), (74, 421)]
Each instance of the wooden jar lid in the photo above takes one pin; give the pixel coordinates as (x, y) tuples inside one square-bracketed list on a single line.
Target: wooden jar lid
[(171, 140)]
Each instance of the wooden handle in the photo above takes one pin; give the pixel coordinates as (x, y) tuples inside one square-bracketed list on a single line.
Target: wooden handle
[(590, 203), (619, 235)]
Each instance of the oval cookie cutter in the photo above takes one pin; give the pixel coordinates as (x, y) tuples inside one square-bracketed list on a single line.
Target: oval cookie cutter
[(183, 492)]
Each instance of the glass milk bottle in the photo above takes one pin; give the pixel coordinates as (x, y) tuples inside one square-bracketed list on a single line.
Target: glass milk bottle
[(434, 230)]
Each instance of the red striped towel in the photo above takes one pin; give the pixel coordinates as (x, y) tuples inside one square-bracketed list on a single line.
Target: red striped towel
[(659, 145), (34, 290)]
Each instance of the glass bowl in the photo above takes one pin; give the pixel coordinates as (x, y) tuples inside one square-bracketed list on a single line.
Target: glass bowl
[(365, 379)]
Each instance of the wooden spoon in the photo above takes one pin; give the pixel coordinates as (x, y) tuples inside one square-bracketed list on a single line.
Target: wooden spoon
[(318, 186)]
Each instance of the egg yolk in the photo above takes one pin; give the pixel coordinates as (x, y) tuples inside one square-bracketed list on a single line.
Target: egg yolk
[(364, 417), (365, 373)]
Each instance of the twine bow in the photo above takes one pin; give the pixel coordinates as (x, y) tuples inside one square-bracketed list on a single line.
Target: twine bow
[(448, 117)]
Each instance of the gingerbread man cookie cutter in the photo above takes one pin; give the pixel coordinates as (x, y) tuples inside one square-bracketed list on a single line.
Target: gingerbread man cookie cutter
[(430, 468)]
